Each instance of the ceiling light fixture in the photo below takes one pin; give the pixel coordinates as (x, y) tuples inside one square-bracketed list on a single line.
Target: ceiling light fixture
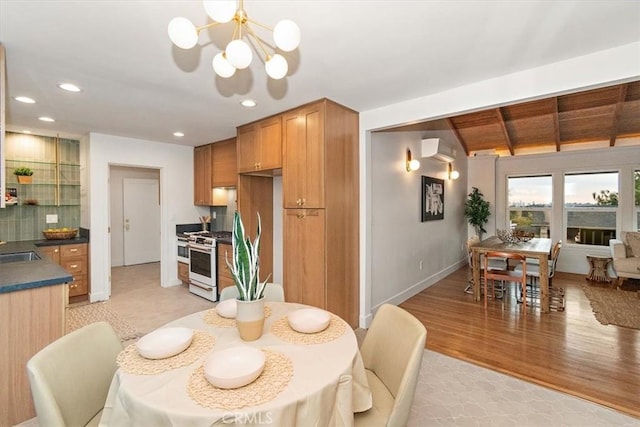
[(237, 55), (178, 134), (46, 119), (25, 99), (249, 103), (412, 164), (69, 87)]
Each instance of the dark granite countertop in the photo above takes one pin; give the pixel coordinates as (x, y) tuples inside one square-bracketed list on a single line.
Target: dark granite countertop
[(16, 276)]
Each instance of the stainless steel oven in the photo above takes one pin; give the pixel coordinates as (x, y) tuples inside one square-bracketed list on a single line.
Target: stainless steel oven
[(202, 268)]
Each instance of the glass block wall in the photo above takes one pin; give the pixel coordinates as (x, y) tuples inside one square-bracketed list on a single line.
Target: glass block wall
[(55, 188)]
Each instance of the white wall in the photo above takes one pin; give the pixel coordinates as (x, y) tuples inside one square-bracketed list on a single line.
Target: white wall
[(175, 163), (409, 255), (594, 70), (117, 176)]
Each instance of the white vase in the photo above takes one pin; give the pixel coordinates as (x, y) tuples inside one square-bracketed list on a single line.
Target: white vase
[(250, 319)]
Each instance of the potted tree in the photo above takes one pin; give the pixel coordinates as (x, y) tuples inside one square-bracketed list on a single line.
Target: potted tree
[(23, 174), (476, 210), (245, 269)]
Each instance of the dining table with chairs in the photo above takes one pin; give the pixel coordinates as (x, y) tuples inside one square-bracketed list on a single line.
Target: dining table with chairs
[(308, 378), (536, 248)]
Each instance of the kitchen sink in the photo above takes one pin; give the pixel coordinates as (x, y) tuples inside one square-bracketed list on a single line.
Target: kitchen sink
[(18, 256)]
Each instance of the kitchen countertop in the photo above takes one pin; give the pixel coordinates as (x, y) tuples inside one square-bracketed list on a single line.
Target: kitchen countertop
[(16, 276)]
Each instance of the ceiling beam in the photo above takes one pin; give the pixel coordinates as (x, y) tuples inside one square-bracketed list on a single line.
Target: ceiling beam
[(556, 123), (505, 132), (457, 134), (622, 96)]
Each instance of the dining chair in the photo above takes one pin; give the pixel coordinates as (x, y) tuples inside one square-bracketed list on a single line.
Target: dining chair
[(494, 264), (533, 272), (392, 353), (519, 275), (272, 292), (70, 377)]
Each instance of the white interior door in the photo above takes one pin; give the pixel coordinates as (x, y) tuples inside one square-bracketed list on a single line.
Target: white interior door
[(141, 209)]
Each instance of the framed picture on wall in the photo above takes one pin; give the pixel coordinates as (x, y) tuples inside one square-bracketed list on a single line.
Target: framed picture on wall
[(432, 198)]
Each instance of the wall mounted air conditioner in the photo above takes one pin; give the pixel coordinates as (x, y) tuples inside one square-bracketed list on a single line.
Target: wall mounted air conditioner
[(434, 147)]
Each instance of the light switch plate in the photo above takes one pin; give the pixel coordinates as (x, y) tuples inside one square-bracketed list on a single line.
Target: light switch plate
[(52, 219)]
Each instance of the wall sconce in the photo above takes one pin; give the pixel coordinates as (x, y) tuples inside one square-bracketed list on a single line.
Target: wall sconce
[(412, 164), (452, 173)]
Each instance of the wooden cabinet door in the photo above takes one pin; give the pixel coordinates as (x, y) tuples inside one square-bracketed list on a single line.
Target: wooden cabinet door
[(247, 148), (270, 144), (224, 166), (304, 252), (202, 175), (225, 278), (52, 252), (183, 272), (303, 163)]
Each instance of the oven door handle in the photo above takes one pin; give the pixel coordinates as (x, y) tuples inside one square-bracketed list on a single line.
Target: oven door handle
[(206, 288), (199, 248)]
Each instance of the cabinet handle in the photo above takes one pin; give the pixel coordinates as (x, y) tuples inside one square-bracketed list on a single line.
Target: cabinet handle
[(73, 250), (73, 266), (301, 215), (298, 201), (303, 201)]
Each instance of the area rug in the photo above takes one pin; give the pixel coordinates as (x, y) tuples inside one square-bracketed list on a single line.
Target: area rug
[(79, 316), (614, 307)]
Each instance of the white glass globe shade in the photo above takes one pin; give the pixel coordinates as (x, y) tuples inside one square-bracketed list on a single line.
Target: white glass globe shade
[(220, 10), (222, 67), (277, 67), (239, 54), (183, 33), (286, 35), (414, 165), (455, 174)]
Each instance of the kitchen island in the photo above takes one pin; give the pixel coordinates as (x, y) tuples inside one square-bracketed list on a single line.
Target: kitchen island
[(33, 296)]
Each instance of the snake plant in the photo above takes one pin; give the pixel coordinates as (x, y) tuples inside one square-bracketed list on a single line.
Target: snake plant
[(245, 265)]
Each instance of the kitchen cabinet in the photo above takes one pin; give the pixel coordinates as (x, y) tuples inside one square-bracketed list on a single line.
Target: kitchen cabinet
[(259, 146), (320, 199), (202, 195), (303, 158), (183, 272), (75, 259), (224, 167), (225, 279)]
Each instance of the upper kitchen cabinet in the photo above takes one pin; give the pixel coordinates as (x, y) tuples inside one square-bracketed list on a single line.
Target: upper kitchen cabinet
[(202, 195), (260, 146), (224, 164), (303, 157)]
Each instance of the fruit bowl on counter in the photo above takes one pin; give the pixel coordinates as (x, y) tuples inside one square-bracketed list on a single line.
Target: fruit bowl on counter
[(60, 233)]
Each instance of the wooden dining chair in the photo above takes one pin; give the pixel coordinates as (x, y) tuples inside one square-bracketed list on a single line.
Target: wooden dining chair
[(494, 264), (70, 377), (520, 275), (533, 273)]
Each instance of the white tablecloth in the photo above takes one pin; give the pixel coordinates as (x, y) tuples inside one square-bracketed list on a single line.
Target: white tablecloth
[(328, 385)]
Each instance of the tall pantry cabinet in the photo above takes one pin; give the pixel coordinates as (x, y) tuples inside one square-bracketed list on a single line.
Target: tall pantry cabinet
[(320, 200)]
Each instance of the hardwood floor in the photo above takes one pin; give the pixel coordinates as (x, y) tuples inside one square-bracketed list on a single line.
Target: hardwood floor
[(568, 351)]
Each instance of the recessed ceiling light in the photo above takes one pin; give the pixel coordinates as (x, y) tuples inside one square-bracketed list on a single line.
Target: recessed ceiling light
[(25, 99), (69, 87), (249, 103), (178, 134), (46, 119)]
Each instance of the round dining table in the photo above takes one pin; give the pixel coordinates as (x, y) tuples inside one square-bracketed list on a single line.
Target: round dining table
[(308, 379)]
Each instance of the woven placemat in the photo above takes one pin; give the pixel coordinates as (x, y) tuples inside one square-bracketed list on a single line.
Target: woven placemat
[(278, 370), (130, 361), (211, 317), (282, 330)]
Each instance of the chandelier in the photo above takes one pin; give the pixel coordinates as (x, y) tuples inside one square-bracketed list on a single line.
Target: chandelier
[(238, 55)]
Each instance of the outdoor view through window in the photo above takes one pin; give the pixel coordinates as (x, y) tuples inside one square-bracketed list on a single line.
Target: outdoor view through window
[(530, 201)]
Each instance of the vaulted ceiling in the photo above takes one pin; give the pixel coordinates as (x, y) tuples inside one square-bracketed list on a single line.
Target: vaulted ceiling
[(609, 116)]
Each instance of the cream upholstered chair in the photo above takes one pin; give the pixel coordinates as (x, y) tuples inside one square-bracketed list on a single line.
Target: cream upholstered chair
[(272, 292), (392, 353), (70, 377)]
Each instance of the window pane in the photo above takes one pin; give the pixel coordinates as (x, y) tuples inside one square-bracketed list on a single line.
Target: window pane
[(529, 199), (591, 204)]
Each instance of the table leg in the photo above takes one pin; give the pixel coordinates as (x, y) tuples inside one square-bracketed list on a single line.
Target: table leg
[(544, 283), (475, 257)]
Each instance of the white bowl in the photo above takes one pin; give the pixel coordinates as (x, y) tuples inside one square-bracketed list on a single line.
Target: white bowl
[(234, 367), (227, 308), (164, 342), (309, 320)]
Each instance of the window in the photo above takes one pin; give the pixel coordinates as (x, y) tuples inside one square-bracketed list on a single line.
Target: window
[(530, 202), (591, 207)]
